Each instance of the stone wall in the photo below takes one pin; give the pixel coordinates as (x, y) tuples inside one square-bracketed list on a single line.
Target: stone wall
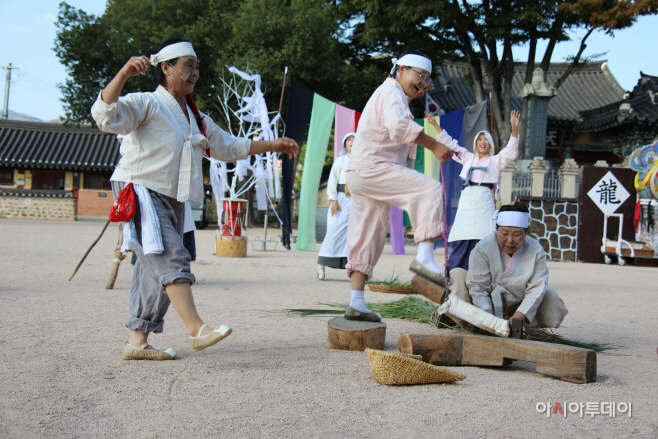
[(55, 205), (554, 223)]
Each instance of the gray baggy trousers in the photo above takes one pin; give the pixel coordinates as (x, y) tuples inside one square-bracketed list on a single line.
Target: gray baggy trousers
[(148, 298)]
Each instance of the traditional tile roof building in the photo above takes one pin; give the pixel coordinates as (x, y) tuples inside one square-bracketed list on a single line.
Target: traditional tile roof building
[(43, 159), (591, 118)]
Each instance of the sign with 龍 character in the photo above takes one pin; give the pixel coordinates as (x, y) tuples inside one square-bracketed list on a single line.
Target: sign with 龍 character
[(604, 191), (608, 194)]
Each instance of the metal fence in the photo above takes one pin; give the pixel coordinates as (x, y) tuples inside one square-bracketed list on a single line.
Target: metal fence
[(553, 184), (521, 184)]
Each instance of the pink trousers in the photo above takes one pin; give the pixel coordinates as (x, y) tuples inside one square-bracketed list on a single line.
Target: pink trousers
[(373, 192)]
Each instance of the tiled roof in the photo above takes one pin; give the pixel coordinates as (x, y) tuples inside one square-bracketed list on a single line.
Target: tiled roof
[(592, 86), (31, 193), (44, 145), (642, 108)]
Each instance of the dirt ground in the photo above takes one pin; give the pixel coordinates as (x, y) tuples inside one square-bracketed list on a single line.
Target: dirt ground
[(62, 374)]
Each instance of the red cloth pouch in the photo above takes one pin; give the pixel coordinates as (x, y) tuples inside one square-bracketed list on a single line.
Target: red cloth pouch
[(125, 205)]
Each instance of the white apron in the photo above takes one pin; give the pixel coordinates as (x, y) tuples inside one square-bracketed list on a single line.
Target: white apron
[(474, 214), (334, 244)]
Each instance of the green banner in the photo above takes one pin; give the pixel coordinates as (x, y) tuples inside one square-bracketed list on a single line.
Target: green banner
[(322, 118)]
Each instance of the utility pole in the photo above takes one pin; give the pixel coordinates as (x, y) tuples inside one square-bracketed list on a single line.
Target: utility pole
[(5, 109)]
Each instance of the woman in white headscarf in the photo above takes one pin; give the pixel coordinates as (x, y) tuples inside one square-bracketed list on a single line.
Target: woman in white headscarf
[(480, 172), (165, 138), (508, 275), (333, 252)]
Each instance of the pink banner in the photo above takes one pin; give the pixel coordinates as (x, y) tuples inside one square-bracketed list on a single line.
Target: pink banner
[(345, 119)]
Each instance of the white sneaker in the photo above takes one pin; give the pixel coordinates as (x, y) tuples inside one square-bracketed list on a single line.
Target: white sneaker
[(320, 272)]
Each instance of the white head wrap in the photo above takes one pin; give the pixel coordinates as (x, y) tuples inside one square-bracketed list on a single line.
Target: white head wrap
[(347, 136), (512, 219), (172, 51), (343, 150), (487, 134), (413, 61)]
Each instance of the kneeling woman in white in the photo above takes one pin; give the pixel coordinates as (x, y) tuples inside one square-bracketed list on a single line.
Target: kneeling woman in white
[(333, 252)]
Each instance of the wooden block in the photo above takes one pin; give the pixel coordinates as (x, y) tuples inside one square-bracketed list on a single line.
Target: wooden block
[(564, 362), (355, 335), (428, 289)]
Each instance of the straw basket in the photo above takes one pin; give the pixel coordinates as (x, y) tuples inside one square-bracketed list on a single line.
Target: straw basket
[(399, 369), (231, 246), (398, 289)]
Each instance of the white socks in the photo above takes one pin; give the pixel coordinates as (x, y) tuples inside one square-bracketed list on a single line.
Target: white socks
[(358, 301), (426, 256)]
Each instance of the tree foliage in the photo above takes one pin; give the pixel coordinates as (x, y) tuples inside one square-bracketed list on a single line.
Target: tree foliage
[(267, 35), (485, 33)]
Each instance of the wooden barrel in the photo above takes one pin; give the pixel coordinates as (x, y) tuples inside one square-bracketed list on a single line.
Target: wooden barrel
[(231, 246)]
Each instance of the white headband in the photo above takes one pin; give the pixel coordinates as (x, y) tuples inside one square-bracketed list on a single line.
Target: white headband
[(512, 219), (173, 51), (413, 61)]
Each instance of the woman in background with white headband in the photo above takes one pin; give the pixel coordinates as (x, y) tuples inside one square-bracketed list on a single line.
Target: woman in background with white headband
[(378, 177), (507, 274), (333, 253), (165, 138)]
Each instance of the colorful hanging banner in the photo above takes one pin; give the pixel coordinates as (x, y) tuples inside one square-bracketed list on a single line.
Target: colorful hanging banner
[(396, 219), (345, 123), (453, 123), (300, 104), (322, 118), (432, 164)]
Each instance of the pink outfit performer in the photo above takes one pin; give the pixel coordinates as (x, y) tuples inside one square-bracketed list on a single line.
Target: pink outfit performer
[(378, 177)]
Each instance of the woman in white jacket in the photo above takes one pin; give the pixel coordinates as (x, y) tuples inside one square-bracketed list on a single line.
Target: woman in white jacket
[(480, 172), (165, 137), (333, 252)]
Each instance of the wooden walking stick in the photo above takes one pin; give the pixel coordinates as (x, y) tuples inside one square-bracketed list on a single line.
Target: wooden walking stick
[(118, 257), (92, 246)]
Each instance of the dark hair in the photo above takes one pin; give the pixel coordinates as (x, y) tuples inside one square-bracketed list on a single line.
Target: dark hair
[(160, 78), (420, 52), (516, 207)]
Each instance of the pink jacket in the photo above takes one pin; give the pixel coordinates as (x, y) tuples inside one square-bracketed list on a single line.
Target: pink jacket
[(494, 163), (387, 132)]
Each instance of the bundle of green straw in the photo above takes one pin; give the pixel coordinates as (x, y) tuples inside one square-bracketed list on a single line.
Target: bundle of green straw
[(415, 309)]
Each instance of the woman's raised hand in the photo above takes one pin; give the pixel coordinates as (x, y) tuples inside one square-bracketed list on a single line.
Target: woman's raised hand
[(431, 119), (515, 118), (135, 66)]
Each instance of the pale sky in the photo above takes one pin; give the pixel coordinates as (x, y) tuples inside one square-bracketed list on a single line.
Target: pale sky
[(27, 34)]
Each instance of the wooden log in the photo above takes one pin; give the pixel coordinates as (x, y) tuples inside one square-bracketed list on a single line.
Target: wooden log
[(428, 288), (118, 257), (355, 335), (567, 363)]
